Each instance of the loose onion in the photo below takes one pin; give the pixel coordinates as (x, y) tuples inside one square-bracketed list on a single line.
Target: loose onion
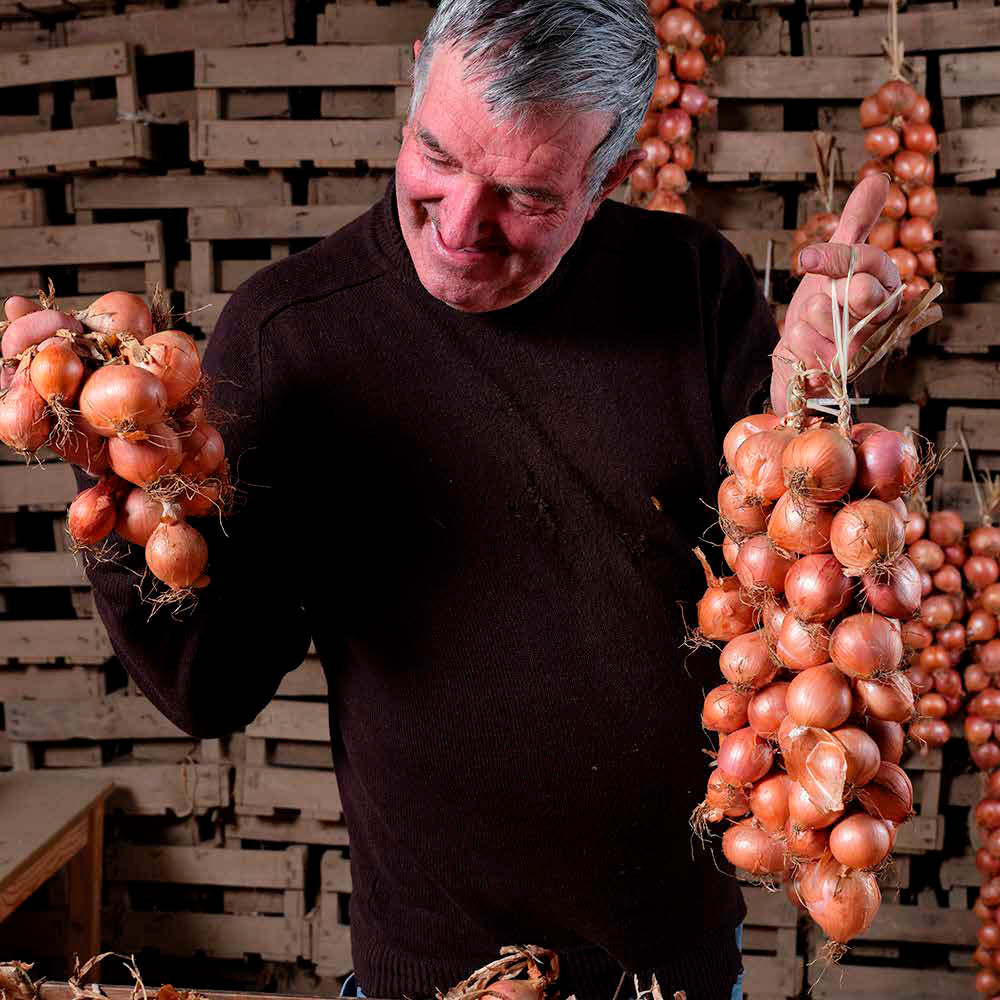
[(819, 696), (816, 588), (867, 644), (889, 699), (843, 903), (744, 757), (746, 661), (725, 709), (768, 709), (177, 554), (143, 462), (860, 841), (799, 525), (122, 398), (889, 795), (760, 566), (753, 850), (866, 534)]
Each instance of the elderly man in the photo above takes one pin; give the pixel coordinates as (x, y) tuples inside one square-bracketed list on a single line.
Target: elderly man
[(473, 429)]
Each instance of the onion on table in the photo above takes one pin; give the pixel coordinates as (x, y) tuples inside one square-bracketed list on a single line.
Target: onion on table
[(107, 391)]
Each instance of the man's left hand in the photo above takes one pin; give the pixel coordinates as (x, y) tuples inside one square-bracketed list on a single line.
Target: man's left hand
[(808, 330)]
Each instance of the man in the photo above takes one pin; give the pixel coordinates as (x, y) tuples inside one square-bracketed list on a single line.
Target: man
[(474, 430)]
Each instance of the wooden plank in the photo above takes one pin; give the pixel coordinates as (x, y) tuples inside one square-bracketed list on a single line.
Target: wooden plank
[(66, 757), (103, 143), (229, 274), (774, 153), (769, 909), (22, 124), (920, 834), (349, 190), (153, 789), (20, 282), (896, 418), (972, 250), (270, 222), (208, 866), (186, 28), (338, 143), (764, 35), (44, 66), (967, 327), (919, 31), (358, 102), (979, 112), (738, 208), (968, 150), (302, 830), (752, 244), (862, 982), (955, 378), (803, 77), (966, 790), (168, 108), (115, 242), (958, 872), (47, 487), (26, 38), (957, 496), (368, 24), (97, 280), (205, 308), (769, 975), (179, 191), (220, 935), (332, 947), (295, 753), (51, 682), (261, 790), (292, 720), (304, 66), (81, 640), (41, 569), (335, 872), (116, 717), (305, 680), (971, 74), (22, 207), (923, 925)]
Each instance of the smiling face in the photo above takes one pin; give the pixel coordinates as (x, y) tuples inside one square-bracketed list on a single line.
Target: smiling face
[(488, 211)]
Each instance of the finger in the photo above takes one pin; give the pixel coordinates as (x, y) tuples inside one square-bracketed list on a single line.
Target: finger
[(803, 342), (867, 293), (862, 210), (834, 260)]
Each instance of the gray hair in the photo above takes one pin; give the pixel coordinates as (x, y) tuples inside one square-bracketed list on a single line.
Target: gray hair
[(589, 55)]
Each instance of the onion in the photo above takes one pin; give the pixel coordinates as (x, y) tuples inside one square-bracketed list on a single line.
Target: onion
[(177, 554), (744, 757), (976, 679), (138, 516), (866, 534), (945, 527), (863, 756), (819, 464), (730, 550), (17, 306), (769, 802), (118, 399), (948, 683), (896, 98), (990, 598), (936, 611), (988, 813), (722, 614), (915, 526), (799, 525), (884, 234), (987, 982), (909, 167), (725, 797), (896, 592), (887, 465), (977, 730), (757, 464), (25, 424), (84, 447), (987, 704), (744, 428), (818, 762), (882, 141), (948, 579), (119, 313), (143, 462), (690, 65), (906, 263), (952, 636), (895, 203), (753, 850), (204, 451), (816, 588), (677, 26), (56, 372), (916, 234), (665, 92), (657, 152), (988, 936), (985, 541), (989, 656), (889, 738), (768, 709), (694, 100), (760, 565), (667, 201), (819, 696), (981, 571), (955, 554), (889, 795), (805, 814), (920, 137), (725, 709), (867, 644), (736, 513), (987, 863), (670, 177), (802, 646), (860, 841), (674, 126), (981, 626), (646, 129), (746, 661), (926, 555), (683, 153), (932, 706), (889, 699), (923, 203), (173, 358), (92, 514), (916, 635), (927, 264), (642, 177), (772, 617), (921, 110), (805, 844), (843, 903), (871, 114), (920, 680)]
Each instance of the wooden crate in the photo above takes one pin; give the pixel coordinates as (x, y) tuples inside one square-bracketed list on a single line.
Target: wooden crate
[(34, 153), (772, 967), (285, 830), (737, 208), (274, 791), (372, 24), (925, 831), (772, 155), (210, 279), (22, 206), (970, 92), (221, 143)]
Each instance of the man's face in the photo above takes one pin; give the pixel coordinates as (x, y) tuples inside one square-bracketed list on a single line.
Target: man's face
[(487, 211)]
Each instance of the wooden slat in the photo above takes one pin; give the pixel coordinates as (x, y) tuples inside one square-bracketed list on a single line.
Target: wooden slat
[(208, 866), (304, 66), (116, 242), (305, 680), (41, 569), (332, 947), (972, 249), (956, 378), (773, 152), (26, 38), (919, 31), (81, 640), (270, 222), (920, 834), (301, 830), (152, 789), (335, 872), (967, 327), (862, 982), (51, 682), (959, 872), (208, 190), (739, 208), (969, 150), (114, 718), (261, 790), (175, 107), (752, 243), (348, 190), (970, 74), (771, 976), (923, 925), (896, 418), (186, 28), (292, 720), (957, 496), (335, 143), (22, 207), (802, 77), (368, 24), (21, 69), (769, 909), (101, 144)]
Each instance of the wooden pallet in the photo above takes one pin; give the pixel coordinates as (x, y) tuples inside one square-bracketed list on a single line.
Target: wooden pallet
[(371, 24), (953, 487), (211, 280), (222, 143), (737, 208), (772, 155), (284, 830), (21, 206), (272, 791), (970, 92)]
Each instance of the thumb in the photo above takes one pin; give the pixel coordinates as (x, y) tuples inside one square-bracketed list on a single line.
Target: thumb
[(862, 210)]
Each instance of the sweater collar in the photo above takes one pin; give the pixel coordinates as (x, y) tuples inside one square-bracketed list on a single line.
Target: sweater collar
[(390, 243)]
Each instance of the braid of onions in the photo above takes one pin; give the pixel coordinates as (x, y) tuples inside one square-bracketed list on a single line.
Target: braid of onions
[(115, 391)]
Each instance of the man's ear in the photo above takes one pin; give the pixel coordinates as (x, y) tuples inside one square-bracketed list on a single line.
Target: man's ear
[(417, 46), (618, 173)]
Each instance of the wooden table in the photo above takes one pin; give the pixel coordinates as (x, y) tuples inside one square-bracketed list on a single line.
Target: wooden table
[(48, 820)]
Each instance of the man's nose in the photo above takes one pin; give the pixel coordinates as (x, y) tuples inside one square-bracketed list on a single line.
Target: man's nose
[(466, 215)]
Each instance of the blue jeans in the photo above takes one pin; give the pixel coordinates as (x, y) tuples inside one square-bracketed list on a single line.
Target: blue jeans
[(351, 988)]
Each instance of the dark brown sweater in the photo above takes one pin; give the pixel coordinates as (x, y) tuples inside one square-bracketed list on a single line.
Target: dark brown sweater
[(457, 509)]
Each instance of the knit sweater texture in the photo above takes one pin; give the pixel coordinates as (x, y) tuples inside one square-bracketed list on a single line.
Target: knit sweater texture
[(484, 523)]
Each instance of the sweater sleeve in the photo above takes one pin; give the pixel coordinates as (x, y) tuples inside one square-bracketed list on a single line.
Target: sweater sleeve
[(745, 335), (212, 670)]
